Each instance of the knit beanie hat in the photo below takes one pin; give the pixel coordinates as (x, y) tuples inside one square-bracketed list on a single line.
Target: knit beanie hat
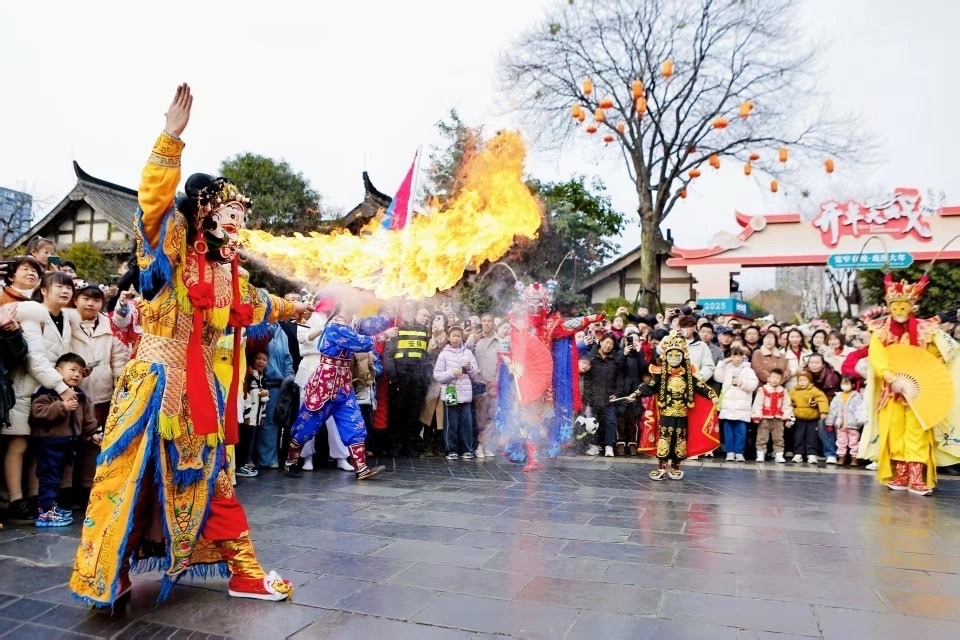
[(806, 374)]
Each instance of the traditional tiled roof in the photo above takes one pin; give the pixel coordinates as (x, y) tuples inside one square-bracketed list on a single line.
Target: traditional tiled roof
[(117, 204), (373, 201)]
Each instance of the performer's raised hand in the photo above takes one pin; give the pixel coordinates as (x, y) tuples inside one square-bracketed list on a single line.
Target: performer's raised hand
[(178, 115)]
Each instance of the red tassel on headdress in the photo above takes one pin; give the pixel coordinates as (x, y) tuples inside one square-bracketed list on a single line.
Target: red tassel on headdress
[(241, 315), (203, 406)]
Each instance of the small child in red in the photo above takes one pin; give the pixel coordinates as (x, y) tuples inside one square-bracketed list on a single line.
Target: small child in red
[(773, 411)]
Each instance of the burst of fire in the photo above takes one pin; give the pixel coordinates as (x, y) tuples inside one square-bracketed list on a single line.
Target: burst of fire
[(492, 207)]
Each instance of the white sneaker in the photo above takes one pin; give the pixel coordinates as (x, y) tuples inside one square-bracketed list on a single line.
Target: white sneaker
[(779, 457), (731, 457), (740, 458), (593, 450), (488, 453), (344, 465), (871, 467), (479, 452), (831, 459), (608, 452), (308, 463), (709, 454), (762, 456), (811, 459), (798, 458)]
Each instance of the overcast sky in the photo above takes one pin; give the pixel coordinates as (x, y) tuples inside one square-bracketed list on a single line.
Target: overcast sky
[(338, 87)]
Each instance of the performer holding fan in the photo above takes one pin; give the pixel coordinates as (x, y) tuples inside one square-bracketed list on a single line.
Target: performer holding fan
[(910, 394)]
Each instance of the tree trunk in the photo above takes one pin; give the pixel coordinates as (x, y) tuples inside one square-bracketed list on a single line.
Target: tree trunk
[(649, 273)]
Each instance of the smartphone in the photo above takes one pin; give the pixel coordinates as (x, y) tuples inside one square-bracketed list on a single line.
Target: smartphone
[(114, 279), (9, 265), (91, 365), (54, 260), (636, 340)]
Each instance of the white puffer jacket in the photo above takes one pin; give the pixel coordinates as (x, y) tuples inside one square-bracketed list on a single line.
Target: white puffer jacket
[(44, 346), (736, 401), (102, 347)]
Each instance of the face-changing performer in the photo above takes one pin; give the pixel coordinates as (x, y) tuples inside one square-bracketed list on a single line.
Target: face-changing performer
[(162, 498), (907, 452), (683, 429), (547, 419)]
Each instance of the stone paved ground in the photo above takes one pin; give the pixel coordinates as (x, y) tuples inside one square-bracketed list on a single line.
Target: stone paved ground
[(587, 549)]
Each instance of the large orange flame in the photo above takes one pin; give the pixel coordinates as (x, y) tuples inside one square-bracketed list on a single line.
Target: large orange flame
[(492, 207)]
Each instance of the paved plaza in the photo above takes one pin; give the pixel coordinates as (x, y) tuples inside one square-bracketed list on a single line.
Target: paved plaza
[(587, 549)]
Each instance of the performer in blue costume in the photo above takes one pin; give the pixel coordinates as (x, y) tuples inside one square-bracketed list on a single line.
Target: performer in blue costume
[(329, 391)]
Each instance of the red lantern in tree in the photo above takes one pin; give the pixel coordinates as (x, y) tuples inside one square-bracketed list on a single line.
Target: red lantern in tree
[(754, 157), (715, 161), (828, 165), (606, 103), (774, 186), (636, 89), (694, 173), (747, 169), (587, 86)]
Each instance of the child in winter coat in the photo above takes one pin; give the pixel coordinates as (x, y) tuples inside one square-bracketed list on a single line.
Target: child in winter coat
[(456, 370), (772, 410), (55, 428), (255, 400), (810, 406), (738, 384), (844, 422)]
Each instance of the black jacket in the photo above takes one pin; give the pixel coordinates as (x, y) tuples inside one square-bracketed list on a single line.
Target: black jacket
[(633, 366), (13, 354), (602, 381), (290, 328)]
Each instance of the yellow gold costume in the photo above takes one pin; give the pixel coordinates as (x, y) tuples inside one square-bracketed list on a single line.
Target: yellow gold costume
[(161, 497)]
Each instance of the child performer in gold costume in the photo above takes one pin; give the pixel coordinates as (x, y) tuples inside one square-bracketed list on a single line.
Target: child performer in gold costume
[(685, 417), (162, 498)]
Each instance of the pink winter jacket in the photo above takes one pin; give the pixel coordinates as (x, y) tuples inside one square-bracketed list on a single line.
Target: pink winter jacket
[(736, 402), (451, 360)]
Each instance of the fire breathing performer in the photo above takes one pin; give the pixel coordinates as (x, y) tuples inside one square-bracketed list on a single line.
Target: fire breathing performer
[(330, 393), (162, 498), (682, 422), (908, 450), (544, 418)]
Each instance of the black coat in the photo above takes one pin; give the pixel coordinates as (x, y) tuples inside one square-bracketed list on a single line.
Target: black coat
[(13, 354), (603, 380), (290, 328), (633, 366)]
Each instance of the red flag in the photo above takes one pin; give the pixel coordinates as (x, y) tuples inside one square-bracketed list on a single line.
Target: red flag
[(398, 213)]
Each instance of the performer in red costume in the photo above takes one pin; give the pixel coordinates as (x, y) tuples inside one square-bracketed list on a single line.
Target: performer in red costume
[(529, 421)]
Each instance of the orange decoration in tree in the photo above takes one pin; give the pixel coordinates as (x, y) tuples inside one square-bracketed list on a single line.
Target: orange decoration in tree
[(576, 110), (747, 169), (606, 103), (667, 69), (683, 193), (694, 173), (636, 89), (828, 165), (621, 127), (715, 161), (774, 186), (784, 155), (754, 157), (641, 106), (746, 109), (587, 86), (591, 128), (600, 115), (720, 123), (608, 138), (581, 116)]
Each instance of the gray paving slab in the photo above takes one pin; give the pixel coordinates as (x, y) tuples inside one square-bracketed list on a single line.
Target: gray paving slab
[(482, 552)]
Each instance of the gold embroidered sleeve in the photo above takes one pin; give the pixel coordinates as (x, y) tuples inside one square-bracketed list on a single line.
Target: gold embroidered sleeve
[(262, 301), (158, 187)]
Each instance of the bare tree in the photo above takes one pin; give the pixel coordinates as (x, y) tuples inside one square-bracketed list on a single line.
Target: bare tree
[(724, 54)]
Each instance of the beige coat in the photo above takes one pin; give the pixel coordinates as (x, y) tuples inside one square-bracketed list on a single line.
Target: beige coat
[(103, 347)]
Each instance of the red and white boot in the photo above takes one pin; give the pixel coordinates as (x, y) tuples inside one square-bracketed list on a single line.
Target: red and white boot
[(270, 587), (917, 472), (358, 453), (533, 463), (901, 481), (247, 577)]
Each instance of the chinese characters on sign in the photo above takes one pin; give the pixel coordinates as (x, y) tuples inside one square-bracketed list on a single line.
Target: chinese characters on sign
[(902, 214), (897, 260)]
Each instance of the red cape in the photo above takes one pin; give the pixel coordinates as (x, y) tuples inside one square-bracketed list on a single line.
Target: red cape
[(703, 427)]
